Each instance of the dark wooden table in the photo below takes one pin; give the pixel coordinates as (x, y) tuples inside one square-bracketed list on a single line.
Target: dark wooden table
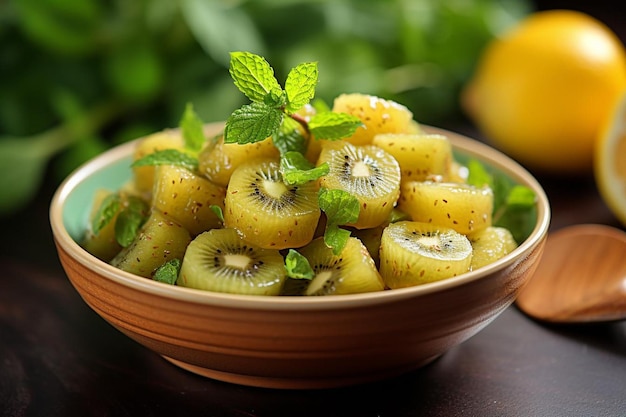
[(58, 358)]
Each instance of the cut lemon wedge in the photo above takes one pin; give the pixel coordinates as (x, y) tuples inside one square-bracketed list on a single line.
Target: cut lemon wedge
[(610, 161)]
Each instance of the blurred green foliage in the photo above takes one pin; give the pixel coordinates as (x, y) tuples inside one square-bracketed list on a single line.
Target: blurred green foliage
[(77, 77)]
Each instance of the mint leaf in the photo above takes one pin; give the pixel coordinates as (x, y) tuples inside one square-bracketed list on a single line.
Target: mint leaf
[(130, 220), (296, 169), (517, 212), (252, 123), (292, 160), (168, 272), (252, 75), (333, 126), (514, 205), (300, 85), (336, 238), (521, 196), (298, 266), (289, 137), (218, 211), (106, 212), (478, 175), (168, 157), (192, 129), (340, 208), (276, 98)]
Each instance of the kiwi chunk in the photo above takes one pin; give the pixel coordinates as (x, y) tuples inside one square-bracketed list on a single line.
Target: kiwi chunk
[(491, 244), (352, 271), (377, 114), (462, 207), (421, 156), (413, 253), (187, 197), (218, 159), (159, 240), (220, 260), (144, 175)]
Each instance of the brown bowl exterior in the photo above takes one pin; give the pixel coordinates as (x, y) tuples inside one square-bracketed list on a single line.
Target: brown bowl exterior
[(300, 342)]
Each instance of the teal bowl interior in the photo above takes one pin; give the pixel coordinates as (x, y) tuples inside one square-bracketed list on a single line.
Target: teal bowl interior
[(79, 201)]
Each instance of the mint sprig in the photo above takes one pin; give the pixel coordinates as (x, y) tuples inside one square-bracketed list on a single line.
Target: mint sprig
[(341, 208), (254, 122)]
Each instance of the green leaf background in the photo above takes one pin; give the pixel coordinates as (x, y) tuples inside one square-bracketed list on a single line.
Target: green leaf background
[(77, 77)]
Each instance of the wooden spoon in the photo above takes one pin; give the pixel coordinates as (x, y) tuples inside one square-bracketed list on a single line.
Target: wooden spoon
[(581, 277)]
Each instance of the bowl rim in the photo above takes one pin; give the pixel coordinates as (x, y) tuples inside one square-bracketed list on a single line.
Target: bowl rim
[(471, 147)]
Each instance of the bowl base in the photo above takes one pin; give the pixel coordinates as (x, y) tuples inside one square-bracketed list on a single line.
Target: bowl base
[(297, 383)]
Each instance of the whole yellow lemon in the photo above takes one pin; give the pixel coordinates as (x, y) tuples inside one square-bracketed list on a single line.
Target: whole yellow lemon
[(541, 92)]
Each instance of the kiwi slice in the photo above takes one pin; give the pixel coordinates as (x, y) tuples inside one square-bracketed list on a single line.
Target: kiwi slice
[(220, 260), (268, 212), (352, 271), (414, 253), (490, 244), (368, 173)]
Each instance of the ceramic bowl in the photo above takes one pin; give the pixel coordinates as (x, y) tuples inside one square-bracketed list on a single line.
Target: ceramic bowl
[(291, 342)]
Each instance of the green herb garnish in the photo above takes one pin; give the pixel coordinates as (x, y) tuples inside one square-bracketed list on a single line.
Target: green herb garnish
[(333, 126), (340, 208), (130, 219), (168, 272), (254, 122), (514, 205), (298, 266), (168, 157), (106, 212), (296, 169), (218, 212), (192, 130)]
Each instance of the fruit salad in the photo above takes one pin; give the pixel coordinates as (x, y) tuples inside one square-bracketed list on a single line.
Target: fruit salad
[(296, 197)]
